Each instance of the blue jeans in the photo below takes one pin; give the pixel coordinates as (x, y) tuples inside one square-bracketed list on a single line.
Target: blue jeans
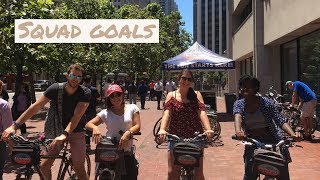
[(3, 157)]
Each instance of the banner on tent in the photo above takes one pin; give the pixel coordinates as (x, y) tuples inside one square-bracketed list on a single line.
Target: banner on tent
[(199, 65)]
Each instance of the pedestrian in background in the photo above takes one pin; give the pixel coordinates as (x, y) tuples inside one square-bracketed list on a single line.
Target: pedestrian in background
[(4, 94), (21, 102), (132, 91), (5, 122), (151, 88), (91, 111), (142, 92), (158, 92)]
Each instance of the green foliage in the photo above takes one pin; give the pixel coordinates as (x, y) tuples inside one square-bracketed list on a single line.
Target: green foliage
[(95, 58)]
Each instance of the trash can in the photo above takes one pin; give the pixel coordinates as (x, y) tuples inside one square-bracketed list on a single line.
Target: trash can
[(211, 100), (230, 98)]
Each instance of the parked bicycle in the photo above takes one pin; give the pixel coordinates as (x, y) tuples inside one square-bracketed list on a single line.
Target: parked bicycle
[(267, 159), (110, 163), (292, 116), (187, 153), (28, 153)]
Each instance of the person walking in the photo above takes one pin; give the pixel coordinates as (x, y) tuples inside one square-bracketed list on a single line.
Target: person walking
[(170, 86), (142, 92), (158, 92), (132, 91), (91, 111), (307, 104), (64, 121), (4, 94), (184, 114), (151, 89), (257, 117), (5, 122), (21, 102), (119, 116)]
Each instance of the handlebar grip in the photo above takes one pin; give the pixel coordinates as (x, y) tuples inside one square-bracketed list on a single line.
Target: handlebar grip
[(234, 137), (137, 133)]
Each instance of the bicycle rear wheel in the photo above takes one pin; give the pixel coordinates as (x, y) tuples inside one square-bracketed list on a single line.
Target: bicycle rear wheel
[(69, 173), (215, 126)]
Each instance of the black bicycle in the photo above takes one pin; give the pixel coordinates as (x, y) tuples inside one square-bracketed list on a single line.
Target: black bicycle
[(267, 159), (110, 163), (187, 153), (28, 153)]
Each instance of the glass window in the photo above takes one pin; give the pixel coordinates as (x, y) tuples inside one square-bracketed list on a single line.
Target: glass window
[(309, 62), (289, 58)]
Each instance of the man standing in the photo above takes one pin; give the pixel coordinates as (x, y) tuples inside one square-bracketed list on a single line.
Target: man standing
[(158, 91), (68, 103), (142, 92), (91, 110), (151, 87), (5, 122), (132, 91), (307, 104), (170, 86)]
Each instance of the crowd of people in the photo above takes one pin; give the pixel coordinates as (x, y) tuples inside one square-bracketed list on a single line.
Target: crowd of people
[(73, 111)]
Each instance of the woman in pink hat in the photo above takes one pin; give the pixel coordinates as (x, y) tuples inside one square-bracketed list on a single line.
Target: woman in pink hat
[(118, 116)]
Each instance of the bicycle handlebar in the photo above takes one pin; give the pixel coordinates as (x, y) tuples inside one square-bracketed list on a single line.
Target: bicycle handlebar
[(287, 141), (199, 137)]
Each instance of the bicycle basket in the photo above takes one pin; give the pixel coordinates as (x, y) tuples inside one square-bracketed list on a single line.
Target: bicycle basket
[(106, 151), (187, 154), (25, 153), (268, 162)]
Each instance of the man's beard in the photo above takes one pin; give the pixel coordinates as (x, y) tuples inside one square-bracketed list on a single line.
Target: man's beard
[(70, 85)]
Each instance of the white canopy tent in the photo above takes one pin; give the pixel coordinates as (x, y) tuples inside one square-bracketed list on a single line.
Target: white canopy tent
[(197, 57)]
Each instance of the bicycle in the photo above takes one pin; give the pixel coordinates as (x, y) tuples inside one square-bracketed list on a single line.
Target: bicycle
[(292, 116), (110, 163), (267, 159), (187, 153), (28, 152)]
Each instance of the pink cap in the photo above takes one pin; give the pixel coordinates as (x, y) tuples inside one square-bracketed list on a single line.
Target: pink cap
[(113, 88)]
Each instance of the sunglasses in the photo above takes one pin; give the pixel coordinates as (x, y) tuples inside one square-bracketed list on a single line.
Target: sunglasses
[(72, 76), (185, 78), (117, 94)]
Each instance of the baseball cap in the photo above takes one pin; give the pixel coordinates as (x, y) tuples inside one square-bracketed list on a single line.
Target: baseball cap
[(113, 88), (287, 83)]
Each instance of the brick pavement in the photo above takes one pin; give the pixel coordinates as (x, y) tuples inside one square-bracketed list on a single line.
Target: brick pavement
[(221, 162)]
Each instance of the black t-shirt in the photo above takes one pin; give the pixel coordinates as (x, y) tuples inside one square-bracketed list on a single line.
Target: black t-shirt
[(69, 103), (93, 100)]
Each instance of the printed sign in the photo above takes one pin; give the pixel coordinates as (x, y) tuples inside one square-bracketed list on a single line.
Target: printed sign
[(86, 31)]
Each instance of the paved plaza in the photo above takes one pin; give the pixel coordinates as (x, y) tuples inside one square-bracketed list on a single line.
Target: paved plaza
[(223, 161)]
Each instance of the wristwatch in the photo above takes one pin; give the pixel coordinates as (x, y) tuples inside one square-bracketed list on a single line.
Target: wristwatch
[(65, 133)]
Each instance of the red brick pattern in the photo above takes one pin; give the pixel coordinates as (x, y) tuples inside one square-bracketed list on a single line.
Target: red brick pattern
[(221, 162)]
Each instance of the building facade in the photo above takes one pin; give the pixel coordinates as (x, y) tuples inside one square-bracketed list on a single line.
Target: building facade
[(275, 41), (210, 24)]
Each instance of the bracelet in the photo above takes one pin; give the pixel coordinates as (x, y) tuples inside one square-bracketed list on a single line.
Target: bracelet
[(65, 133), (16, 125)]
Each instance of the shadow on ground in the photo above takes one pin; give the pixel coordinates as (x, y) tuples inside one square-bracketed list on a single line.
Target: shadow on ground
[(225, 117)]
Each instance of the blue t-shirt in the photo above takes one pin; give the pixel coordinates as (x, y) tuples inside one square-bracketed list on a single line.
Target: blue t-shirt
[(303, 91)]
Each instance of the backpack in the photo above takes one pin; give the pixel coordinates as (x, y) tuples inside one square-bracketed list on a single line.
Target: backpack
[(53, 121)]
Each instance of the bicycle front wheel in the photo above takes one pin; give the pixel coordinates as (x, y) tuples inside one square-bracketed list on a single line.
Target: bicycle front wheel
[(69, 173), (156, 127)]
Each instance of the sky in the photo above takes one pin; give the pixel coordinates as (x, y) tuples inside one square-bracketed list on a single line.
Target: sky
[(186, 10)]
